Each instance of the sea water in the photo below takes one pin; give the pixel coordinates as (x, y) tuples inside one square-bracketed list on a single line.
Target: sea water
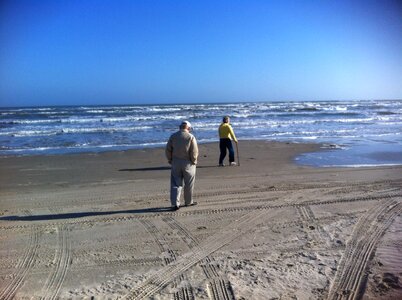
[(352, 133)]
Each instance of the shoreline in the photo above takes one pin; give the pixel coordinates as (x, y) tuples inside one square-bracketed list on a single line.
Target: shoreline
[(45, 171), (142, 148), (363, 129), (76, 168), (99, 225), (328, 156)]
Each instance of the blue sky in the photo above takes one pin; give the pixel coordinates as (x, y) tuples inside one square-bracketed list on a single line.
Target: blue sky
[(119, 52)]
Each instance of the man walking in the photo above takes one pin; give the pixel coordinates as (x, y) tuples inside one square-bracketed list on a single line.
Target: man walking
[(182, 153), (226, 135)]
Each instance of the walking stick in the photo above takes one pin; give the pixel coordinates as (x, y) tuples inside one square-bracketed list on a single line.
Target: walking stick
[(237, 151)]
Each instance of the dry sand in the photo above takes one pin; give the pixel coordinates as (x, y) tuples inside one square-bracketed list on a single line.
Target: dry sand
[(98, 226)]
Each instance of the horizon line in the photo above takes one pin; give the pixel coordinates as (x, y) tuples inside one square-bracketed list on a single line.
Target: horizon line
[(193, 103)]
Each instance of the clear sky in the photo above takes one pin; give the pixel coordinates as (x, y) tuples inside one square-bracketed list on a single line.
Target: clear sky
[(55, 52)]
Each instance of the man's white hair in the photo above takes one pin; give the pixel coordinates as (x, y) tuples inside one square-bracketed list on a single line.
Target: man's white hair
[(185, 123)]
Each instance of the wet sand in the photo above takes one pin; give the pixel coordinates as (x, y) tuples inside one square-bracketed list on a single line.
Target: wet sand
[(99, 226)]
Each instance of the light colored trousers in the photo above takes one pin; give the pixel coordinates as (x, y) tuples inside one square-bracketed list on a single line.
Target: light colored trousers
[(182, 174)]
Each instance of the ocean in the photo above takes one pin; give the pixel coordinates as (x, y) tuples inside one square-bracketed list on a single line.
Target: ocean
[(352, 133)]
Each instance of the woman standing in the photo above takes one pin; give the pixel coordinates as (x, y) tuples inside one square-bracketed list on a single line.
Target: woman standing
[(226, 135)]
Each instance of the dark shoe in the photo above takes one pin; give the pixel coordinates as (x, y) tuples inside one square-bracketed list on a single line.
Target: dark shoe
[(221, 165), (174, 208), (192, 204)]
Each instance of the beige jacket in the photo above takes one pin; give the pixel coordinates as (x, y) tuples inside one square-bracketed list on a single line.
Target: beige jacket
[(182, 145)]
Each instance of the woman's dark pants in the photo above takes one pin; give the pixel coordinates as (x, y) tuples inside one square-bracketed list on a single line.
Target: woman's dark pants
[(223, 145)]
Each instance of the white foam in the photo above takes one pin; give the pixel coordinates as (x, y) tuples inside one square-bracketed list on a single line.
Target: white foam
[(27, 133), (16, 121), (361, 165)]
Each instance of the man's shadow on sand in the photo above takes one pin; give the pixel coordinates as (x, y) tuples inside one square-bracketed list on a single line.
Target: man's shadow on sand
[(84, 214), (101, 213)]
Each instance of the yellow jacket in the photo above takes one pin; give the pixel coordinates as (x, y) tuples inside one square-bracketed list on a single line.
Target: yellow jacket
[(226, 132)]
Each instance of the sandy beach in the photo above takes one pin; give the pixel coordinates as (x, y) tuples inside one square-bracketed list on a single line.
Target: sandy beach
[(99, 226)]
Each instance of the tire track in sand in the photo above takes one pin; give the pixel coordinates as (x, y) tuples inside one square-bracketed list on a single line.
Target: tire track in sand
[(100, 194), (206, 211), (349, 282), (164, 276), (62, 262), (218, 287), (186, 292), (313, 229), (24, 266)]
